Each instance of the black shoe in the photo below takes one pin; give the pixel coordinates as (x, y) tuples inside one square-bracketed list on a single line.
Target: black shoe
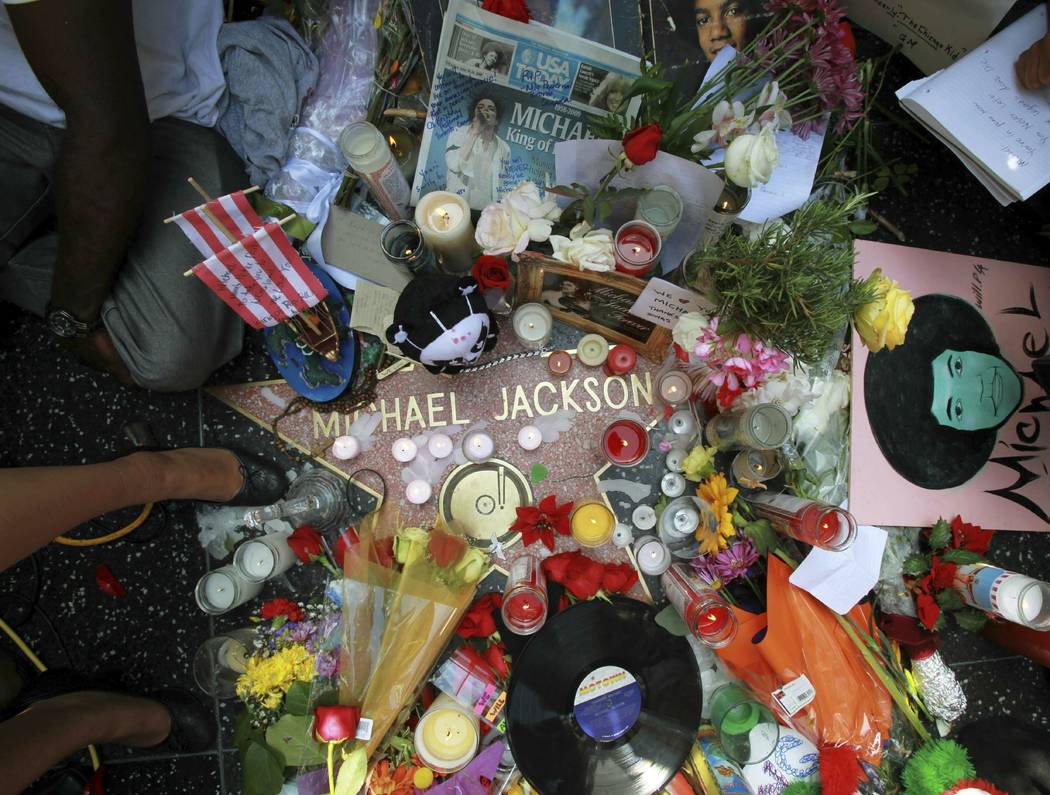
[(264, 482)]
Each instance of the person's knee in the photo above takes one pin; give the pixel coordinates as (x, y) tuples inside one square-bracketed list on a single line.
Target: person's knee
[(174, 364)]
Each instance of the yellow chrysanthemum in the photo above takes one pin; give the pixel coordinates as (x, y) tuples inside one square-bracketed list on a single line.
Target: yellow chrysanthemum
[(267, 679), (719, 495)]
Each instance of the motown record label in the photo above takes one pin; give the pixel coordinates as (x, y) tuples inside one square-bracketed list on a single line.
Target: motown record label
[(607, 702)]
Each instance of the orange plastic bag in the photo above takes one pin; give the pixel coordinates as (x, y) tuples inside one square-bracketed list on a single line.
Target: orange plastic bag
[(804, 637)]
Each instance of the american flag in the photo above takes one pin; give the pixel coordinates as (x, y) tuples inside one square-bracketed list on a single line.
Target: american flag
[(232, 211)]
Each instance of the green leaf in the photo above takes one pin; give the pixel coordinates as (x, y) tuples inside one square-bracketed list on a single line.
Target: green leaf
[(244, 734), (279, 621), (916, 565), (352, 773), (948, 599), (940, 535), (971, 619), (962, 557), (762, 535), (538, 473), (669, 619), (297, 700), (862, 227), (881, 183), (263, 773), (292, 737)]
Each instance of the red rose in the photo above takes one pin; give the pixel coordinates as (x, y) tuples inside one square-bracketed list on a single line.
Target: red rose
[(511, 9), (929, 610), (496, 656), (618, 578), (282, 607), (445, 548), (491, 273), (970, 536), (641, 145), (335, 724), (384, 552), (478, 621), (580, 575), (942, 574), (347, 539), (564, 603), (305, 543)]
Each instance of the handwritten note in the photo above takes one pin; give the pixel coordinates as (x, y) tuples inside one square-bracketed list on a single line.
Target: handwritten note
[(663, 303)]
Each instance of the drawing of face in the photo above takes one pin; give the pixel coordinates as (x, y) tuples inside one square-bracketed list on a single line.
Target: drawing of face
[(718, 23), (973, 390), (485, 112)]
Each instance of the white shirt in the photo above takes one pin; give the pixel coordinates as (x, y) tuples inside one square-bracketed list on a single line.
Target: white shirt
[(178, 57)]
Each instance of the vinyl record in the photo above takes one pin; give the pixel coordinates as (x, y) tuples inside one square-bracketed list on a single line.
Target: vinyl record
[(603, 701)]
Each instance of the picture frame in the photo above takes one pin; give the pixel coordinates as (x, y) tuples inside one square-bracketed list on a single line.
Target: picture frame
[(593, 302)]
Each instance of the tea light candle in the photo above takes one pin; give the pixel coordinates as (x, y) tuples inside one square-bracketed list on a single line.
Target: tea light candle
[(674, 387), (672, 484), (652, 555), (444, 220), (446, 737), (622, 535), (262, 558), (478, 447), (592, 524), (644, 517), (682, 423), (224, 589), (592, 350), (404, 450), (638, 247), (559, 363), (660, 206), (234, 655), (532, 324), (440, 445), (418, 492), (621, 360), (625, 442), (529, 437), (346, 447), (675, 459), (755, 466)]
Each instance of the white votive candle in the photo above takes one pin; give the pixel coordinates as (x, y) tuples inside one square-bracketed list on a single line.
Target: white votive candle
[(224, 589), (644, 517), (418, 491), (444, 220), (346, 447), (675, 459), (672, 484), (682, 423), (529, 437), (262, 558), (404, 450), (622, 535), (532, 324), (652, 555), (440, 445), (478, 447)]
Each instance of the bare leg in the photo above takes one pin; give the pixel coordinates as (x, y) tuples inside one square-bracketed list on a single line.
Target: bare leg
[(47, 732), (39, 503)]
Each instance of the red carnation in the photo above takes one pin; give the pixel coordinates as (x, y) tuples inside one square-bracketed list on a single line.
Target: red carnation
[(970, 536), (642, 144), (580, 575), (282, 607), (305, 543), (491, 273), (618, 577), (478, 621), (511, 9), (539, 523)]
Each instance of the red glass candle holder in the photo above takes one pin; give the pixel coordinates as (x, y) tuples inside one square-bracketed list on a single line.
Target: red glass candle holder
[(524, 607), (811, 522), (559, 363), (706, 614), (625, 443), (638, 247), (620, 361)]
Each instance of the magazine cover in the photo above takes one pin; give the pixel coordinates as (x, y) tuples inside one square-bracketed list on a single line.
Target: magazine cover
[(952, 421), (503, 95)]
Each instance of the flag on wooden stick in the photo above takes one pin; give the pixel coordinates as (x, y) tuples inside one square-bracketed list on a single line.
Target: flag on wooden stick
[(213, 226)]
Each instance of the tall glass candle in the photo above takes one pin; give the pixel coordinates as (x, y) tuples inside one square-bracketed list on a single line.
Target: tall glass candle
[(625, 443), (532, 324), (259, 559), (525, 598), (637, 248), (1009, 595), (661, 207), (403, 244), (755, 466), (811, 522), (404, 146), (620, 361), (762, 427), (370, 157), (592, 523), (446, 737), (747, 730), (726, 210), (223, 589), (592, 350), (652, 555), (674, 387), (705, 612), (444, 220)]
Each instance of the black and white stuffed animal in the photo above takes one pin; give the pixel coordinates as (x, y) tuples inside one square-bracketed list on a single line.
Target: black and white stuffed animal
[(442, 322)]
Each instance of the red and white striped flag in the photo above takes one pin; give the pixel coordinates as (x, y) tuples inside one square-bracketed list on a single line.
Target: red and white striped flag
[(261, 278), (232, 211)]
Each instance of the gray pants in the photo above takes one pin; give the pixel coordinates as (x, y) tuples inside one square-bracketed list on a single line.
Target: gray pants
[(171, 331)]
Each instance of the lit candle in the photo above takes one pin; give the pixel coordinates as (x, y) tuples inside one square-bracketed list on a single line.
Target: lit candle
[(726, 210), (478, 447), (418, 492), (644, 517), (369, 155), (446, 737), (559, 363), (755, 466), (262, 558), (224, 589), (444, 220), (660, 206), (592, 524), (621, 360), (682, 423), (706, 613), (346, 447), (622, 535), (532, 324), (625, 443), (440, 445), (637, 248), (1015, 597), (672, 484), (592, 349), (529, 437), (234, 655), (404, 450), (403, 244), (674, 387), (652, 555), (524, 606), (811, 522), (675, 459), (762, 427)]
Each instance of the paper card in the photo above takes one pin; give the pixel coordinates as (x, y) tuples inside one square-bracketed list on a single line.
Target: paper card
[(841, 579), (351, 246), (663, 303), (373, 310)]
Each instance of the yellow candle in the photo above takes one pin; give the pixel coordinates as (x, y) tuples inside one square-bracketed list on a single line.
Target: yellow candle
[(446, 737), (592, 524)]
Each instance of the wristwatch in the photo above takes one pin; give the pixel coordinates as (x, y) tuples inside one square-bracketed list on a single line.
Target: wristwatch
[(67, 326)]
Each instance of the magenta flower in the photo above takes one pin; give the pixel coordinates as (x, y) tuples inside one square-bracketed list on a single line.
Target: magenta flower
[(705, 571), (732, 563)]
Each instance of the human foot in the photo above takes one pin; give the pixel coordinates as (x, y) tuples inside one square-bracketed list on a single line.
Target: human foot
[(190, 473)]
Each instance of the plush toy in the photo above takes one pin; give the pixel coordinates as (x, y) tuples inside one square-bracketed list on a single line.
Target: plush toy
[(442, 322)]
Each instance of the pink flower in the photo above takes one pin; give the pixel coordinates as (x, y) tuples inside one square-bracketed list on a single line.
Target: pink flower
[(705, 571), (733, 563)]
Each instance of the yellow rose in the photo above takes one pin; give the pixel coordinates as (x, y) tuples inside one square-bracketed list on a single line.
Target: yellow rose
[(410, 544), (883, 323), (471, 565)]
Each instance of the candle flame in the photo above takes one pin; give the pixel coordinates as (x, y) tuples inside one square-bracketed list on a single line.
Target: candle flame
[(408, 252), (391, 141), (635, 249), (443, 218)]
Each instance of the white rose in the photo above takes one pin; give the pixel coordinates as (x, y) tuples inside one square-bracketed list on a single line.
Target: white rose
[(585, 248), (523, 216), (496, 233), (750, 159), (687, 329)]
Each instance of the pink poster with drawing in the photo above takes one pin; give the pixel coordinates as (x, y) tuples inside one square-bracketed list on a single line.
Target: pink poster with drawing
[(952, 421)]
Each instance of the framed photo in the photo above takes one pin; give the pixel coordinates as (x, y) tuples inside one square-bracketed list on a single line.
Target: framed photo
[(593, 302)]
